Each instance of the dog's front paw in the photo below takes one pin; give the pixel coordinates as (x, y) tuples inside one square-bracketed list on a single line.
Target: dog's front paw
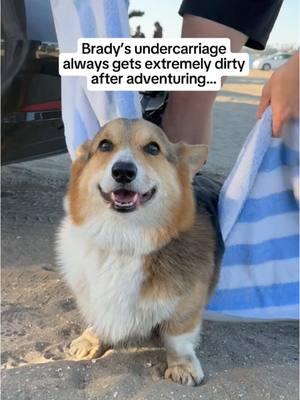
[(185, 374), (87, 346)]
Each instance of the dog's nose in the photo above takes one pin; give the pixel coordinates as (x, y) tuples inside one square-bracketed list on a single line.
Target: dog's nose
[(124, 172)]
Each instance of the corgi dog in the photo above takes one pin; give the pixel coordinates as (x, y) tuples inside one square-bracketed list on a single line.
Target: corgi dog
[(134, 247)]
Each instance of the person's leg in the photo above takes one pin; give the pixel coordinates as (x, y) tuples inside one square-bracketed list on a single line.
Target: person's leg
[(188, 114)]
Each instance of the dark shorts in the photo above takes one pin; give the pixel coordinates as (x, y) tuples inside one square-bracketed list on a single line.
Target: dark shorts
[(254, 18)]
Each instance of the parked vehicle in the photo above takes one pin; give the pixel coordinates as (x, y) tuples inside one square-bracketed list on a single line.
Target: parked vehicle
[(273, 61), (30, 93), (31, 119)]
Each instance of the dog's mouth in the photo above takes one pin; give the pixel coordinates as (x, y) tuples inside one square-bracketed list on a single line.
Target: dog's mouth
[(124, 200)]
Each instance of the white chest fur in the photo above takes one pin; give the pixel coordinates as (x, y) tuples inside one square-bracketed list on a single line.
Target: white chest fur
[(107, 286)]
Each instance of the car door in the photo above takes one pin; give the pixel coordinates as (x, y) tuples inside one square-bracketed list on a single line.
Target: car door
[(285, 58), (30, 92), (276, 61)]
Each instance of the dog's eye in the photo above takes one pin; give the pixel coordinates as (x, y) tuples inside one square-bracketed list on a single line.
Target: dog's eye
[(106, 145), (152, 148)]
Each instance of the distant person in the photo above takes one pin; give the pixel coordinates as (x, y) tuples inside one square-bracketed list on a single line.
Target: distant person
[(158, 31), (138, 33)]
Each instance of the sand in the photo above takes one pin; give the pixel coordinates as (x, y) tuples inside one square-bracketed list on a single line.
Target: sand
[(39, 316)]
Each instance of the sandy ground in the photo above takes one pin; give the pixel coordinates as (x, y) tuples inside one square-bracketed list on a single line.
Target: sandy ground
[(39, 315)]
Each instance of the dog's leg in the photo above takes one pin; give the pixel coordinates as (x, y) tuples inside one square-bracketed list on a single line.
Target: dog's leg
[(181, 336), (183, 364), (87, 346)]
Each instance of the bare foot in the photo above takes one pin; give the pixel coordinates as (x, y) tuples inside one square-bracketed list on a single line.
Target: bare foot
[(87, 346)]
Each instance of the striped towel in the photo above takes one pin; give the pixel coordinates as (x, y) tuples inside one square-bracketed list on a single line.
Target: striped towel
[(83, 111), (259, 218), (258, 203)]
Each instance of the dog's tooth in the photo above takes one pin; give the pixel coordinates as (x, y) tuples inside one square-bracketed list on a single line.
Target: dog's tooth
[(135, 198), (113, 197)]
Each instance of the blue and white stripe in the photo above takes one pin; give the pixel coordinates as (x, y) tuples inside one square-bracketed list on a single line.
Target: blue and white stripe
[(259, 217), (259, 202), (84, 112)]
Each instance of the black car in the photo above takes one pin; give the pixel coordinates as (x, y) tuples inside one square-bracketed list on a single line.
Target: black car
[(31, 121)]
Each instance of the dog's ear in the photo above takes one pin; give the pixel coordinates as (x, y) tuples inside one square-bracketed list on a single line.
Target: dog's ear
[(83, 152), (194, 156)]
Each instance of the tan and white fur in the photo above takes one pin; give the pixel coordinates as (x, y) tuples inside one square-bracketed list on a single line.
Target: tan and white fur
[(136, 253)]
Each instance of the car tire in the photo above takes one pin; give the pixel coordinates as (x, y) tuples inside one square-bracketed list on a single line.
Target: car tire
[(266, 67)]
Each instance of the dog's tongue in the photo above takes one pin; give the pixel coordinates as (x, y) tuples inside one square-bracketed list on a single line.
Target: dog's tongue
[(125, 196)]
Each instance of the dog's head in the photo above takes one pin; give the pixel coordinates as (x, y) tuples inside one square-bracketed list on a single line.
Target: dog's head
[(131, 187)]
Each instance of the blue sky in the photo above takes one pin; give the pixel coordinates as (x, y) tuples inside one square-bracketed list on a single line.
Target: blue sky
[(285, 31)]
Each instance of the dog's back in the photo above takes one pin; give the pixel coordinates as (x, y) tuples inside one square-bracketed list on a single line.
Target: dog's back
[(206, 192)]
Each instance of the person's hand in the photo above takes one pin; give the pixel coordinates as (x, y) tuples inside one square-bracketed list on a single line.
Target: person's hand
[(282, 93)]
